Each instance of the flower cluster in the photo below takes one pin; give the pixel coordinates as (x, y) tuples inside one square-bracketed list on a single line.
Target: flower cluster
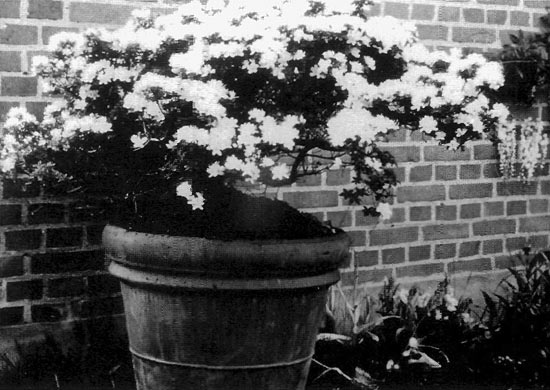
[(232, 91)]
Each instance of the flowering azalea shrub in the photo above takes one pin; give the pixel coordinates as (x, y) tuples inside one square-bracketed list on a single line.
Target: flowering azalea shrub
[(217, 95)]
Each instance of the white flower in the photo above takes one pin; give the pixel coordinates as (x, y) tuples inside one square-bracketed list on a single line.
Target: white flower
[(403, 295), (7, 164), (280, 172), (385, 210), (215, 169), (427, 125), (138, 142), (450, 302), (196, 201)]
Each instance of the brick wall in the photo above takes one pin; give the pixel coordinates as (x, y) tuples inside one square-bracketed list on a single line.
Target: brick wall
[(452, 213)]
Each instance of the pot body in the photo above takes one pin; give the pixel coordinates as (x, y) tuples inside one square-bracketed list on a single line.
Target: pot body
[(208, 314)]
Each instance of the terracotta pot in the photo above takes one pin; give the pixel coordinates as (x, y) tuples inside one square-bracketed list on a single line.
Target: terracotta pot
[(211, 314)]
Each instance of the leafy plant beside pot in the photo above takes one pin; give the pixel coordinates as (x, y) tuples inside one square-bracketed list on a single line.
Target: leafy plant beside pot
[(169, 117)]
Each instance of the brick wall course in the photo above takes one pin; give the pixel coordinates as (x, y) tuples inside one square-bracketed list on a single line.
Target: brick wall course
[(453, 213)]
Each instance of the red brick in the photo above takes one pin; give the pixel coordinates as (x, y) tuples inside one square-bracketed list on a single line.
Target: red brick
[(50, 312), (10, 61), (397, 10), (365, 220), (477, 265), (496, 17), (20, 189), (339, 177), (536, 3), (393, 236), (11, 266), (45, 213), (420, 173), (515, 243), (519, 18), (100, 307), (445, 231), (393, 256), (45, 9), (23, 239), (445, 172), (396, 136), (492, 246), (66, 287), (538, 242), (473, 15), (36, 108), (420, 193), (499, 2), (11, 316), (5, 107), (366, 258), (491, 171), (445, 251), (27, 289), (473, 35), (339, 218), (534, 224), (374, 10), (499, 226), (508, 261), (308, 199), (94, 232), (434, 32), (423, 12), (448, 14), (420, 213), (510, 188), (398, 215), (10, 9), (493, 209), (74, 261), (358, 237), (469, 248), (48, 31), (104, 284), (441, 153), (10, 214), (470, 171), (469, 211), (403, 153), (13, 34), (516, 207), (417, 253), (485, 152), (64, 237), (309, 180), (399, 174), (18, 86), (537, 206), (99, 13), (419, 270), (445, 212), (470, 191)]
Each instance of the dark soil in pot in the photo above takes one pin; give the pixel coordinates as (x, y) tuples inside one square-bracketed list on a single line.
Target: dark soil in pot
[(228, 214)]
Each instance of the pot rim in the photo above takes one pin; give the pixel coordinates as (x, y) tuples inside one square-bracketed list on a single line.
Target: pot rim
[(218, 258)]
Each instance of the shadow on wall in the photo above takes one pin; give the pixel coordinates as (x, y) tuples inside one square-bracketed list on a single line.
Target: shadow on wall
[(90, 353)]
